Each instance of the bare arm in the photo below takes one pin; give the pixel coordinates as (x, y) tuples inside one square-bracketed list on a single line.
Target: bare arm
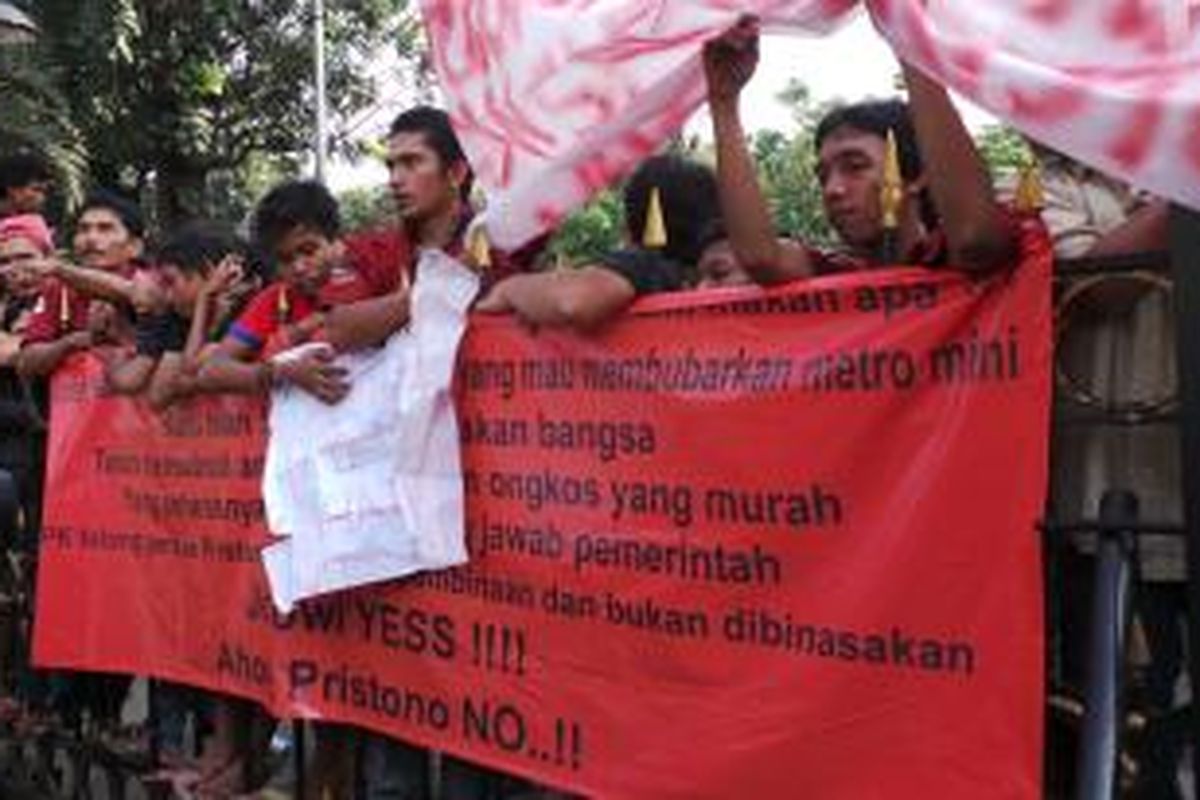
[(42, 358), (314, 372), (221, 374), (177, 376), (132, 374), (962, 191), (582, 299), (171, 382), (367, 323), (94, 282), (10, 349), (729, 62), (1144, 231)]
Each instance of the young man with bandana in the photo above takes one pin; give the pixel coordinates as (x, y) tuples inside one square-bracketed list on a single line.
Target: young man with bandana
[(107, 240)]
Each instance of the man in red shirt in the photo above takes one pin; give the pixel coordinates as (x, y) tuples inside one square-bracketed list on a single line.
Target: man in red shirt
[(108, 238), (352, 292), (948, 214), (430, 180), (299, 226)]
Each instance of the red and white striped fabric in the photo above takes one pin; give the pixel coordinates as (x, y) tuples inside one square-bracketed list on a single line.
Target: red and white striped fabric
[(1114, 83), (555, 99)]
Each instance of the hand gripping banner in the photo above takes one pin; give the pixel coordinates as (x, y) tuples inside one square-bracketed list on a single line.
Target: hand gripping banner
[(556, 99), (742, 544)]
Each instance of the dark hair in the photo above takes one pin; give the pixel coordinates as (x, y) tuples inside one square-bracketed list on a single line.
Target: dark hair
[(877, 117), (296, 204), (21, 169), (200, 245), (690, 203), (127, 211), (435, 126), (712, 233)]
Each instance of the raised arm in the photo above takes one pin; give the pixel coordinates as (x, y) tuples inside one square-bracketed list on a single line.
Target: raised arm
[(976, 232), (729, 63)]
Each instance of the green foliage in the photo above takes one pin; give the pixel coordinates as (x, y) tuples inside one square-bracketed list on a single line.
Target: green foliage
[(593, 230), (787, 171), (36, 119), (787, 164), (1003, 148), (787, 167), (367, 209), (180, 97)]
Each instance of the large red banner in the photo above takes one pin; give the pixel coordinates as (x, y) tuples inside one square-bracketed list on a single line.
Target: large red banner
[(741, 544)]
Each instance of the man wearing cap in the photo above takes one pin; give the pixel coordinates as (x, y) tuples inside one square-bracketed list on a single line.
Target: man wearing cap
[(24, 240)]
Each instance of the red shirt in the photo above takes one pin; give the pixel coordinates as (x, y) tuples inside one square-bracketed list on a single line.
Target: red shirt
[(380, 255), (372, 268), (61, 310), (931, 250), (268, 312), (374, 263)]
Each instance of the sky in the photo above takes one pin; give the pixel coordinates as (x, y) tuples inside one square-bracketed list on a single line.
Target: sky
[(823, 63)]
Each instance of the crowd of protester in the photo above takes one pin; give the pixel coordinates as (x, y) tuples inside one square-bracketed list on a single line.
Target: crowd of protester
[(205, 310)]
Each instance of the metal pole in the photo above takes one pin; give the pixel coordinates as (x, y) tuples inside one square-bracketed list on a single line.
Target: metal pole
[(300, 757), (1185, 263), (1100, 745), (322, 101)]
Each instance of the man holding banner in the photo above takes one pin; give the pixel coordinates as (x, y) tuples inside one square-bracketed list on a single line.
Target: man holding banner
[(944, 211), (850, 609), (670, 202)]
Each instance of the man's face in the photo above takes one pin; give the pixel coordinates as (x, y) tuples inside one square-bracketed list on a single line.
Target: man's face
[(307, 258), (850, 169), (182, 288), (718, 266), (17, 256), (103, 242), (27, 199), (421, 186)]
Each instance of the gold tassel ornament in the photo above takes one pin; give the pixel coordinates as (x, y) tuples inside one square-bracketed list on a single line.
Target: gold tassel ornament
[(1031, 195), (654, 234), (283, 306), (479, 249), (891, 192)]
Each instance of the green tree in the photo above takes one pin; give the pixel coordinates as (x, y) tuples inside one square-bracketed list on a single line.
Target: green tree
[(1003, 148), (367, 208), (787, 167), (787, 164), (593, 230), (36, 118), (178, 98)]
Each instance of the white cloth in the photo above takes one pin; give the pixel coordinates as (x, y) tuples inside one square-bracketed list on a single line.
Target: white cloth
[(371, 489), (554, 99)]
